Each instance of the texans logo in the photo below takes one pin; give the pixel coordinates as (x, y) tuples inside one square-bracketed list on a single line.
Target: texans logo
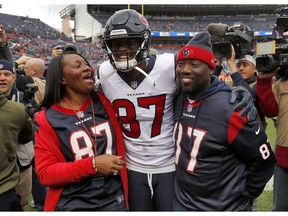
[(185, 53)]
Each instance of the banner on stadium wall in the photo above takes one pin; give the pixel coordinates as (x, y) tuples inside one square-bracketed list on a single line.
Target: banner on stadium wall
[(192, 34)]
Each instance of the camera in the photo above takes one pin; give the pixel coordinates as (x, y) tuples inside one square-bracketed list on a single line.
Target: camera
[(69, 48), (20, 71), (240, 35), (272, 52), (282, 20), (274, 55), (29, 93)]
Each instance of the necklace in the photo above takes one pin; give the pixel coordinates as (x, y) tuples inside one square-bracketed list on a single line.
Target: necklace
[(80, 115)]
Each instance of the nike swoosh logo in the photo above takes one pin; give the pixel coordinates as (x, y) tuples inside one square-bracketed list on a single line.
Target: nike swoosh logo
[(257, 131)]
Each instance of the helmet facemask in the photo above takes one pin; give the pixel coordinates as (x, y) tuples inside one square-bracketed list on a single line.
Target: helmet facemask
[(126, 24), (139, 54)]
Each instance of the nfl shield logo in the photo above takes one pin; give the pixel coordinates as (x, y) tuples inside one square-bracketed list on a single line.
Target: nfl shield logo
[(189, 108), (134, 84)]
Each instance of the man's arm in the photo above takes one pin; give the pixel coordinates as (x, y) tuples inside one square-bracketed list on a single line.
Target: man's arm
[(265, 96), (5, 51), (251, 147)]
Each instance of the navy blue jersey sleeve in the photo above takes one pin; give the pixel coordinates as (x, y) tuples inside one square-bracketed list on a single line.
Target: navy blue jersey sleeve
[(250, 144)]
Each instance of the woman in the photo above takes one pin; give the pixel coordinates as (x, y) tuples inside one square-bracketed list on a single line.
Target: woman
[(79, 147)]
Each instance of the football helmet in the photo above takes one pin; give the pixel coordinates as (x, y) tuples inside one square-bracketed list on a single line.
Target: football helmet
[(127, 23)]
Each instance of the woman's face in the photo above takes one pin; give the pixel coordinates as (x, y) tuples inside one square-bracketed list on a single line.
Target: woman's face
[(78, 77)]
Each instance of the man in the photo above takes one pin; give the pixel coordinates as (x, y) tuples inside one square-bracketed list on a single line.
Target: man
[(25, 153), (5, 52), (15, 128), (223, 161), (244, 74), (34, 73), (142, 89), (273, 102)]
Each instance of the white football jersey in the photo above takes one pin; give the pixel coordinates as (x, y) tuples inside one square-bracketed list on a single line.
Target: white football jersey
[(145, 113)]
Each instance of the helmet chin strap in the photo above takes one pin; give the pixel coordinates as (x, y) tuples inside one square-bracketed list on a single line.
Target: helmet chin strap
[(144, 73), (99, 81)]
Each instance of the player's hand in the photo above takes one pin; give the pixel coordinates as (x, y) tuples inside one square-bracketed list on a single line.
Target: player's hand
[(109, 164), (247, 102)]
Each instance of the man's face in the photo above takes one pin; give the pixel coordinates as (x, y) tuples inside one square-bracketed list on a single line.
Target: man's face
[(247, 69), (125, 48), (193, 76), (7, 79)]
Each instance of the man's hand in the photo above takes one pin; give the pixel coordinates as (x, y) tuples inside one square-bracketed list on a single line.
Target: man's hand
[(262, 75), (56, 51), (22, 60), (247, 102)]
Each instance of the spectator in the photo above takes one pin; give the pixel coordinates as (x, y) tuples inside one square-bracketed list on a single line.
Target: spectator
[(15, 129), (34, 73), (142, 89), (85, 151), (5, 52), (244, 73), (273, 102), (25, 153), (216, 170)]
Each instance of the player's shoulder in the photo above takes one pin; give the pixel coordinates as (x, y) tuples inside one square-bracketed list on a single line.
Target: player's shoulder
[(166, 55), (105, 67), (166, 60)]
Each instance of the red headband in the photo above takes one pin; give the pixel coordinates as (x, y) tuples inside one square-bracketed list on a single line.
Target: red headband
[(195, 52)]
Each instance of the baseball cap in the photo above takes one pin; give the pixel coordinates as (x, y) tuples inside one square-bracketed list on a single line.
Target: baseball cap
[(6, 65), (247, 58)]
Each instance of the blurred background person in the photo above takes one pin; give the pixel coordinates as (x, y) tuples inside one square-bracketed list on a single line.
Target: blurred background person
[(273, 101), (15, 129), (25, 153)]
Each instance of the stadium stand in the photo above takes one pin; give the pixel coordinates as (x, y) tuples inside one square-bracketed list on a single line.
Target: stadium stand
[(32, 37)]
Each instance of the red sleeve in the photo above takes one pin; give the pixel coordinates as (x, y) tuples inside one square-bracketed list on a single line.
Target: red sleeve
[(51, 166), (120, 142), (266, 98)]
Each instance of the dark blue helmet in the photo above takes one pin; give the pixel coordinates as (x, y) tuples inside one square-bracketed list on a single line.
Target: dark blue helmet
[(127, 23)]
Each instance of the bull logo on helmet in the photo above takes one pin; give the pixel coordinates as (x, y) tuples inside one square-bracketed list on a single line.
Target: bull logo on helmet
[(144, 21)]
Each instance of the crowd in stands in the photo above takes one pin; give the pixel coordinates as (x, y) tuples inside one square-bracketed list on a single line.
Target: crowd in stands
[(32, 37)]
